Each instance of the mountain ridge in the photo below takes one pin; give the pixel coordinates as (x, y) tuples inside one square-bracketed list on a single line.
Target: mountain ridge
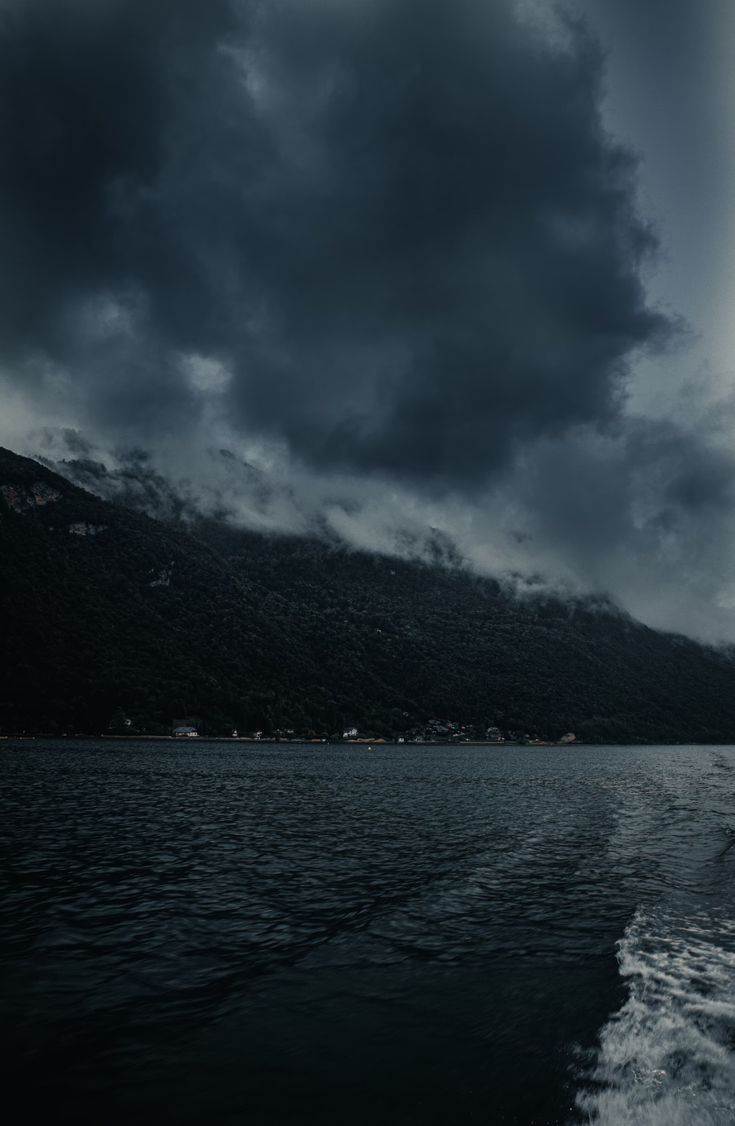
[(109, 612)]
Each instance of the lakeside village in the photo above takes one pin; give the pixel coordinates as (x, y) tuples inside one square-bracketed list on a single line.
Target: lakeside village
[(435, 731)]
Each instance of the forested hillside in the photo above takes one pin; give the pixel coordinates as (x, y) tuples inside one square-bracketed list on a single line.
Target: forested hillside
[(107, 613)]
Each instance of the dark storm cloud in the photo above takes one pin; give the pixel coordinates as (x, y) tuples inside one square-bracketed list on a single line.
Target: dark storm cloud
[(86, 96), (399, 225)]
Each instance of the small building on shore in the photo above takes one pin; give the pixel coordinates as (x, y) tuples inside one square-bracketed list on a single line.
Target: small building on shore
[(185, 732)]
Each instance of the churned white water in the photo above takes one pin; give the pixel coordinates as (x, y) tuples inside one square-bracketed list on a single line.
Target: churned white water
[(666, 1058)]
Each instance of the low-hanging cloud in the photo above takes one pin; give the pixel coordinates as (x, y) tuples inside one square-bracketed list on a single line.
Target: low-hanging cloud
[(386, 248), (399, 225)]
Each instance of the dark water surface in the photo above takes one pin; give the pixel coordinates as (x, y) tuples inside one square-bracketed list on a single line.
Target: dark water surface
[(240, 934)]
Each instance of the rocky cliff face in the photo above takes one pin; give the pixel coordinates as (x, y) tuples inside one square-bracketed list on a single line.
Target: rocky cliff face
[(21, 499)]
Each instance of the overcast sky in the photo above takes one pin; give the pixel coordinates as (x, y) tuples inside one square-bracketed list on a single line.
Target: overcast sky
[(453, 264)]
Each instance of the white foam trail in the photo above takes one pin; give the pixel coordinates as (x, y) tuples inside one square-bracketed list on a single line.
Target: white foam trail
[(666, 1058)]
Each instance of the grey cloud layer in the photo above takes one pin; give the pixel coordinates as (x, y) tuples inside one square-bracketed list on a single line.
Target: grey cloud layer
[(386, 244), (399, 224)]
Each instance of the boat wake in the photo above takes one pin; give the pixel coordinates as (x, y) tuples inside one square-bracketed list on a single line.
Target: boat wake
[(666, 1057)]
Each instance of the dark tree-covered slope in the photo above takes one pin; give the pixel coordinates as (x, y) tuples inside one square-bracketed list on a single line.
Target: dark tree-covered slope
[(107, 612)]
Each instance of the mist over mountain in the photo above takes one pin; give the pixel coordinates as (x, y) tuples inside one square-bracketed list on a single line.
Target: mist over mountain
[(240, 495), (109, 613)]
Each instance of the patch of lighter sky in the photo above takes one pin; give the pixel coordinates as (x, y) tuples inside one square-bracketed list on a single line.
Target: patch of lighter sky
[(686, 189), (723, 296)]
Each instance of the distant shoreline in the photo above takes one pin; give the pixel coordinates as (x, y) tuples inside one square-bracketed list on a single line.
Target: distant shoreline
[(377, 742), (351, 743)]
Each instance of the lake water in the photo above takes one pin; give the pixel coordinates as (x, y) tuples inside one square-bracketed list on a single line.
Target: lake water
[(234, 933)]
